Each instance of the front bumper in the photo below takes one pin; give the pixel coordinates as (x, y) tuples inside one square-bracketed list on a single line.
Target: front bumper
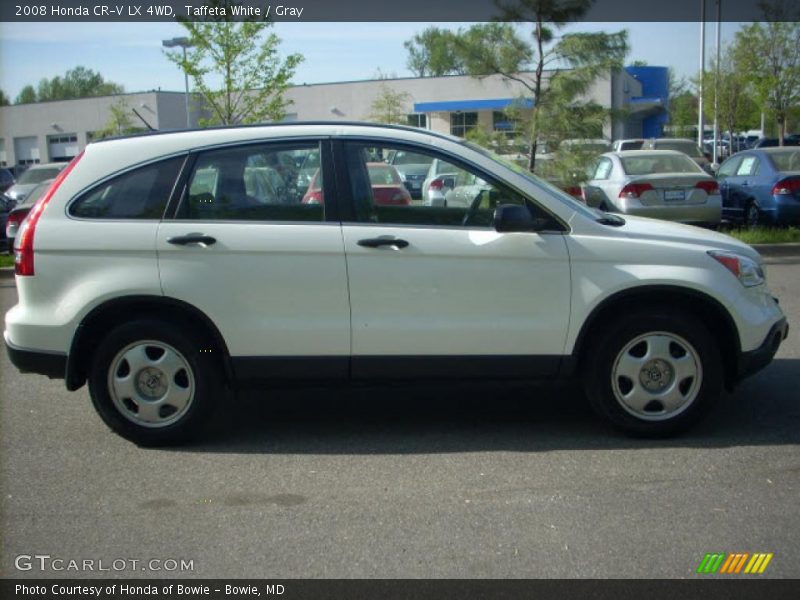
[(52, 364), (753, 361)]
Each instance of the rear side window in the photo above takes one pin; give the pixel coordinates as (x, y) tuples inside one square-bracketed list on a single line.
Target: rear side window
[(138, 194)]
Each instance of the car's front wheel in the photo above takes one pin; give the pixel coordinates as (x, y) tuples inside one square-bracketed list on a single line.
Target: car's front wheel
[(653, 373), (153, 383)]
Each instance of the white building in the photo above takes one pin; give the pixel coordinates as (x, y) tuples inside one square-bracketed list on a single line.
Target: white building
[(56, 131)]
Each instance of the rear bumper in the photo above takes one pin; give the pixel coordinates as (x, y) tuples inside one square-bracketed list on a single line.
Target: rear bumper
[(32, 361), (753, 361), (709, 212)]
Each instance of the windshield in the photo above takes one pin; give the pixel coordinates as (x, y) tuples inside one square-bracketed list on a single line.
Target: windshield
[(786, 160), (37, 193), (631, 145), (658, 163), (686, 147), (558, 193), (411, 158), (35, 175)]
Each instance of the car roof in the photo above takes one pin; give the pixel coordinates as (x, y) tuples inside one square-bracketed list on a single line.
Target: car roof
[(278, 129), (644, 153), (49, 165), (671, 140)]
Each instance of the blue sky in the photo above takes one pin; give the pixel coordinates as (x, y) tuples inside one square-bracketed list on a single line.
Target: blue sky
[(131, 53)]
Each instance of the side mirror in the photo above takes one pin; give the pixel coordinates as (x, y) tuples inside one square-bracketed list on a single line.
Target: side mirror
[(513, 217)]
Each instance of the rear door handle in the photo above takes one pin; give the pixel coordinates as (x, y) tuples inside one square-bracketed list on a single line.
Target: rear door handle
[(382, 241), (192, 238)]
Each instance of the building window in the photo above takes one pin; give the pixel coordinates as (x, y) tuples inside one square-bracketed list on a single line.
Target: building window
[(420, 121), (63, 139), (503, 123), (461, 123)]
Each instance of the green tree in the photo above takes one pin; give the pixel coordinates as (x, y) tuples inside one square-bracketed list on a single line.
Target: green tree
[(119, 121), (432, 53), (769, 54), (79, 82), (737, 105), (27, 95), (4, 99), (389, 107), (575, 61), (682, 106), (245, 56)]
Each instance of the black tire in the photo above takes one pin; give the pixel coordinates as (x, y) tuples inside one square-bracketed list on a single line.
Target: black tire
[(605, 387), (192, 376), (752, 215)]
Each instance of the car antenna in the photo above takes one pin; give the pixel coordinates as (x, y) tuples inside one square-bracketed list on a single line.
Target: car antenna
[(143, 121)]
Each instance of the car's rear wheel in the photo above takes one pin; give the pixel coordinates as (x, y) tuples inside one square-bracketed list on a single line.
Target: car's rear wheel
[(752, 215), (153, 383), (653, 373)]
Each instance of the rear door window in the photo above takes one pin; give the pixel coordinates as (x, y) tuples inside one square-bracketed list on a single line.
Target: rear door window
[(266, 182)]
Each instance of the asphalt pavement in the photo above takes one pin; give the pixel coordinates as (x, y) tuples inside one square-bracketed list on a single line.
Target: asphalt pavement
[(422, 482)]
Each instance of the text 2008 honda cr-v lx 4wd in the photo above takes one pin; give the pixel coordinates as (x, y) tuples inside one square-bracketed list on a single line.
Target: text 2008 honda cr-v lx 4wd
[(168, 269)]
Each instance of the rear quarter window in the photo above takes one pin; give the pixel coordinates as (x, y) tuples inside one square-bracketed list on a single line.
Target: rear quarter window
[(141, 193)]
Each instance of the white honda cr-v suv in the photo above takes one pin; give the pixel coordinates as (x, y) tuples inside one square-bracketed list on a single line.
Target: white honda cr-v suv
[(169, 269)]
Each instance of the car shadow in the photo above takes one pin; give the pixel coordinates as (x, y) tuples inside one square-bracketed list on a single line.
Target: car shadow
[(438, 418)]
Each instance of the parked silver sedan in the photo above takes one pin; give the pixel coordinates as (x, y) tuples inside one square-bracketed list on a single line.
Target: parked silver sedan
[(663, 184)]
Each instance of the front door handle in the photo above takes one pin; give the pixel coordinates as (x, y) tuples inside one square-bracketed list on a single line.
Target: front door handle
[(193, 238), (382, 241)]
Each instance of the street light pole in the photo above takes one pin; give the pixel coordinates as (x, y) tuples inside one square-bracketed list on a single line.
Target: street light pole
[(184, 43), (716, 85), (700, 120)]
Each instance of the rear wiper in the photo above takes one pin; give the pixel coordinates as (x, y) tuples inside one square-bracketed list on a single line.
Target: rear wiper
[(611, 219)]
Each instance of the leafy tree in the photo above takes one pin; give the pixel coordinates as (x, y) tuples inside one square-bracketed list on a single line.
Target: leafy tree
[(736, 102), (245, 56), (769, 54), (432, 53), (389, 106), (79, 82), (4, 99), (27, 95), (682, 107), (119, 122), (575, 62)]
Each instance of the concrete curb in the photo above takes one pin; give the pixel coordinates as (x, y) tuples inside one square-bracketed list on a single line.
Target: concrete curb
[(778, 249), (6, 272)]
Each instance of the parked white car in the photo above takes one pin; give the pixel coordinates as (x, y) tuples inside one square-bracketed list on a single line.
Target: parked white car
[(663, 184), (32, 177), (163, 298)]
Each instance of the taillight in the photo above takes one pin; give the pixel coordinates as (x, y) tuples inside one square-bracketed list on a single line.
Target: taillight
[(14, 219), (786, 187), (634, 190), (401, 198), (710, 187), (23, 247), (314, 197), (574, 191), (437, 184)]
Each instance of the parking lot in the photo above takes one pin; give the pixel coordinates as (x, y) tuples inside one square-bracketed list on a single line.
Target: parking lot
[(477, 481)]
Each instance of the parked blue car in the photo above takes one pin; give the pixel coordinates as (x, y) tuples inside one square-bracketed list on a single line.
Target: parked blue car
[(761, 187)]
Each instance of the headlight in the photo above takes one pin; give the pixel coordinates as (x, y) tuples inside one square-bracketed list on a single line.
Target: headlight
[(745, 269)]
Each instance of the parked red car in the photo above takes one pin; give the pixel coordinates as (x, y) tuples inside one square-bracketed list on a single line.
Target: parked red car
[(387, 187)]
